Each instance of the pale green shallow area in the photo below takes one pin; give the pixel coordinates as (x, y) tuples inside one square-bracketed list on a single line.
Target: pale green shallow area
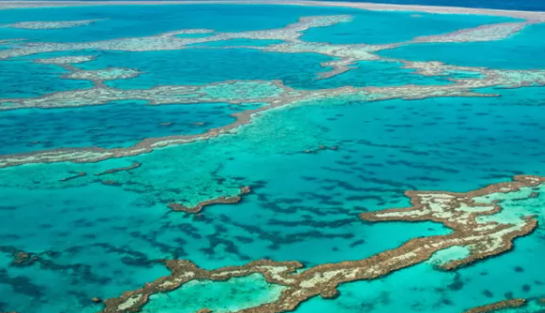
[(232, 295), (99, 240), (516, 205), (446, 255)]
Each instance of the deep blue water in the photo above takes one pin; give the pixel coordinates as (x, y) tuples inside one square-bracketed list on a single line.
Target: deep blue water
[(28, 79), (526, 5), (117, 124)]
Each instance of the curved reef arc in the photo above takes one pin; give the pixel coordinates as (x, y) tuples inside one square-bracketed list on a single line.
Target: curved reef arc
[(501, 305), (457, 211)]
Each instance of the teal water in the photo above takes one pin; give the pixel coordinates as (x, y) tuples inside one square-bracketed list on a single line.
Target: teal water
[(235, 294), (425, 289), (23, 79), (521, 51), (201, 66), (117, 124), (238, 42), (128, 21), (99, 236), (149, 20), (414, 24)]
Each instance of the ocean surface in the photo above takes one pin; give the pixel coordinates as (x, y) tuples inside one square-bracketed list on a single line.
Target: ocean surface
[(98, 228), (525, 5)]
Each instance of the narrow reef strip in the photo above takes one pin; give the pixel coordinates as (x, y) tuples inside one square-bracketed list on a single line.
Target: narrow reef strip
[(120, 169), (458, 211), (50, 24), (506, 304), (69, 59), (220, 200), (77, 175)]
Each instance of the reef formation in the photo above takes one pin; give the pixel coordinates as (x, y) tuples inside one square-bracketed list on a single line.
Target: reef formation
[(506, 304), (220, 200), (273, 93), (50, 25), (461, 212)]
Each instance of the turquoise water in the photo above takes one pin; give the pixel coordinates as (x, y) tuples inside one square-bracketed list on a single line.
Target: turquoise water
[(102, 235), (199, 66), (202, 66), (521, 51), (364, 28), (238, 42), (150, 20), (235, 294)]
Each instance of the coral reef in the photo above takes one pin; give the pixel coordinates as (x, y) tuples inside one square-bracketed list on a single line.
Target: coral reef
[(110, 73), (506, 304), (49, 25), (69, 59), (458, 211), (274, 93), (121, 169), (76, 175), (220, 200), (479, 34)]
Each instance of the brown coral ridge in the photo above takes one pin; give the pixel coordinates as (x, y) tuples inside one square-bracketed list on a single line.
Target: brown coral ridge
[(220, 200), (506, 304), (455, 210), (458, 211), (77, 175), (22, 258), (120, 169)]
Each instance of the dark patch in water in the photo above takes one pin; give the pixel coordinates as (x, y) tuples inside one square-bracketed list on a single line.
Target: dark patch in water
[(487, 293), (357, 243)]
